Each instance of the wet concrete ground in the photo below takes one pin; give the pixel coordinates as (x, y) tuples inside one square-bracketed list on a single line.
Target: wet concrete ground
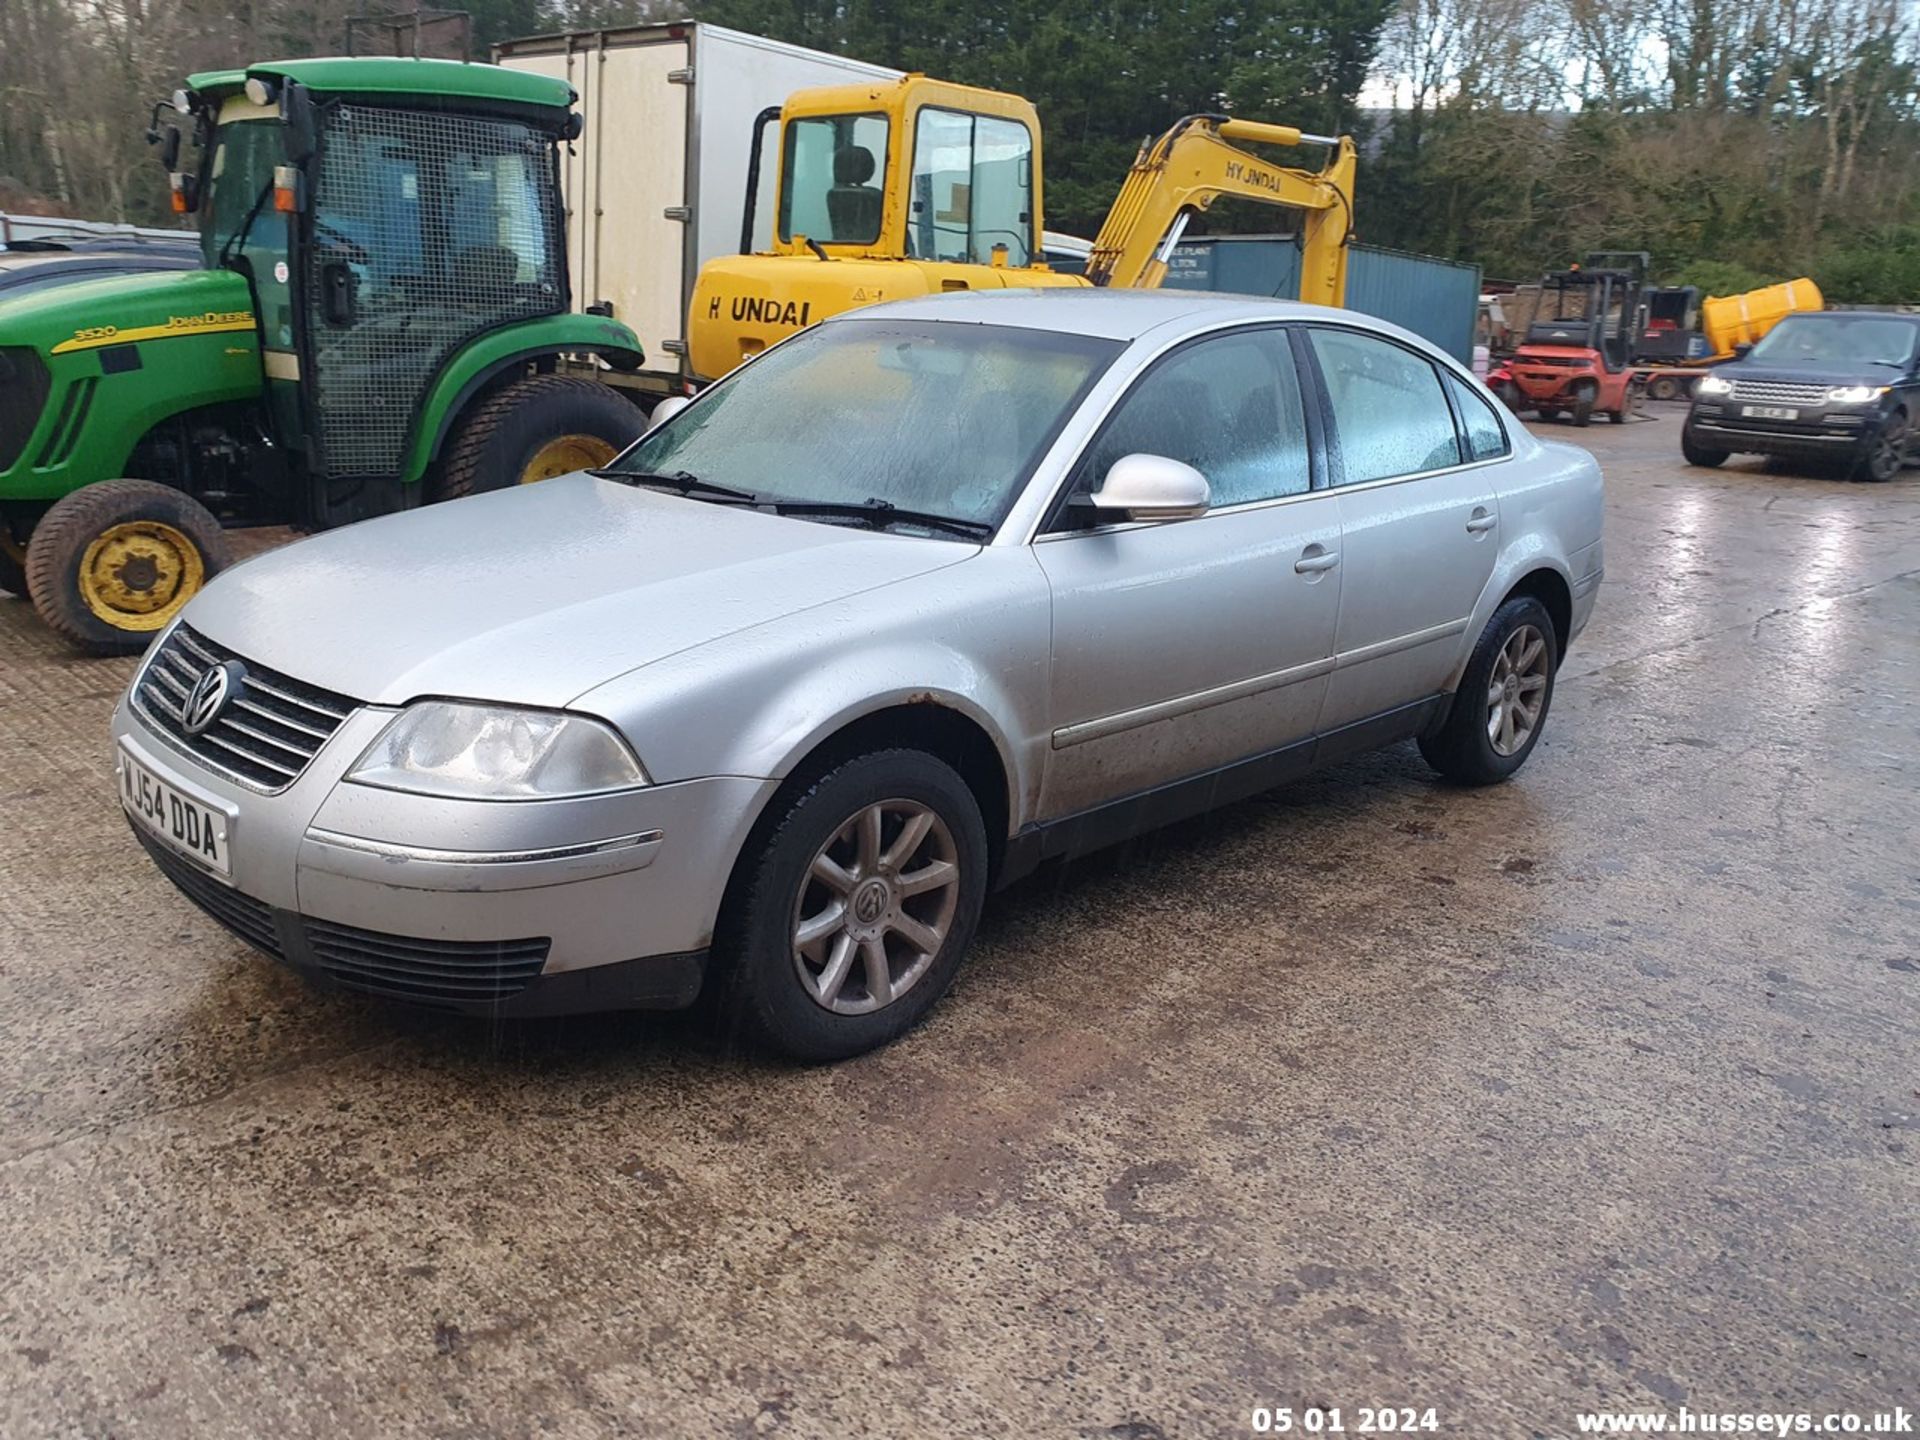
[(1601, 1089)]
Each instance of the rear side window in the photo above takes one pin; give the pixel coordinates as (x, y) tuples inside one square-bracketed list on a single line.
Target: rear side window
[(1389, 412), (1486, 437), (1229, 407)]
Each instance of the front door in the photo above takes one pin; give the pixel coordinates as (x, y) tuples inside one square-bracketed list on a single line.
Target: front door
[(1183, 646), (1419, 518), (428, 230)]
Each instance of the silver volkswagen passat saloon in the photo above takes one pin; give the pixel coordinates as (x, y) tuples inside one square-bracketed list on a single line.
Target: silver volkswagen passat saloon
[(922, 598)]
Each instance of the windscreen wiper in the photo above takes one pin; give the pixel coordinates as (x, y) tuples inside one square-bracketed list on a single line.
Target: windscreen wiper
[(881, 513), (680, 483)]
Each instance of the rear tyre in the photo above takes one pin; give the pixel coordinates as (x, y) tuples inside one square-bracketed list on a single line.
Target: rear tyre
[(535, 429), (1663, 387), (1548, 412), (1501, 706), (110, 565), (847, 921), (1698, 454)]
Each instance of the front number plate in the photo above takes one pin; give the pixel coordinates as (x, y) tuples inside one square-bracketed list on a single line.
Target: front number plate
[(1769, 412), (174, 818)]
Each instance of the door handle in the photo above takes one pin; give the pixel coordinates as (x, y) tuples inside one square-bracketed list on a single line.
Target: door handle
[(1315, 559), (1481, 520)]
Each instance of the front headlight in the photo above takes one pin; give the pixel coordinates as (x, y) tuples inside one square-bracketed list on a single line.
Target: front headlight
[(1855, 394), (1714, 385), (492, 752)]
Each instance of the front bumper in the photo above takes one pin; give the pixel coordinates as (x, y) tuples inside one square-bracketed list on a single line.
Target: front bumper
[(540, 907), (1833, 431)]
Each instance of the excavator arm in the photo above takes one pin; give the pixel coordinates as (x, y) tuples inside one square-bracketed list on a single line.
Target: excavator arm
[(1193, 164)]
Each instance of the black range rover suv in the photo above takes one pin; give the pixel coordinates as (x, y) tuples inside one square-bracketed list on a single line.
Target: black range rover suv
[(1841, 385)]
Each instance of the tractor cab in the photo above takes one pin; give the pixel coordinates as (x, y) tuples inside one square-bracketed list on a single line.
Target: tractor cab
[(377, 320)]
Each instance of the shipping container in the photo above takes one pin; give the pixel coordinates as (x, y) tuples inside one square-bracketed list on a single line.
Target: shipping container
[(1438, 300), (657, 184)]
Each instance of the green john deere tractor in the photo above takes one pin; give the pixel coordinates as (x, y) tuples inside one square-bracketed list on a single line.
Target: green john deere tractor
[(377, 321)]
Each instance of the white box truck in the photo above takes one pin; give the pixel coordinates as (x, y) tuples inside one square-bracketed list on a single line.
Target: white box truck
[(657, 184)]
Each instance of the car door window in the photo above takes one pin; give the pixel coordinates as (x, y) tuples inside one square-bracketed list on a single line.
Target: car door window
[(1389, 411), (1230, 407), (1486, 436)]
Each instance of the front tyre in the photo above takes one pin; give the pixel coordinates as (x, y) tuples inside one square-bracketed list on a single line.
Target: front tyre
[(847, 926), (111, 564), (1886, 450), (535, 429), (1698, 454), (1501, 706)]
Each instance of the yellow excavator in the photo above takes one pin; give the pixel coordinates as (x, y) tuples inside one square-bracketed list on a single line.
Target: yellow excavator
[(915, 186)]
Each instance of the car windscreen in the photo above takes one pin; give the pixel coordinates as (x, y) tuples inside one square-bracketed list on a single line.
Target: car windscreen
[(940, 417), (1827, 341)]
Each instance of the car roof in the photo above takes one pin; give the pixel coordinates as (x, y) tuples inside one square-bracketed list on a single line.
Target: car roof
[(1084, 310)]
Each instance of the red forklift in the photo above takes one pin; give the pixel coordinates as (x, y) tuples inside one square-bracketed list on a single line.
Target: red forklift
[(1578, 354)]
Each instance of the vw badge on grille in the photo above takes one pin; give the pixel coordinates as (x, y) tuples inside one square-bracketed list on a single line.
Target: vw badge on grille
[(211, 694)]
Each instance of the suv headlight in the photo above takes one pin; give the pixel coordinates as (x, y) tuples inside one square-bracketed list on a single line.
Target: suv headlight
[(1714, 385), (493, 752), (1855, 394)]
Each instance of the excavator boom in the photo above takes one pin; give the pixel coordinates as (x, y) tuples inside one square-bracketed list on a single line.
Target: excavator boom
[(1184, 171)]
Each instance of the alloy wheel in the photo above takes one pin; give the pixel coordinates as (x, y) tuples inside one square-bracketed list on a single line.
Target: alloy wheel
[(1517, 690), (875, 907)]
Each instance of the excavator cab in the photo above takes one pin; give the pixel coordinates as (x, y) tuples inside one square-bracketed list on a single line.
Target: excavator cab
[(893, 189)]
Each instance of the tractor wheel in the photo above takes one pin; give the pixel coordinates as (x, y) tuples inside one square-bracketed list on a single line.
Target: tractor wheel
[(535, 429), (1583, 407), (111, 564), (1663, 387)]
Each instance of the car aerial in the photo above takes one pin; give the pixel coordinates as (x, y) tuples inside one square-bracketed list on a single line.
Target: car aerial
[(910, 604), (1836, 385)]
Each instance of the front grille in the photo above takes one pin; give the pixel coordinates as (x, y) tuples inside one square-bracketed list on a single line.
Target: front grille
[(250, 919), (424, 970), (23, 395), (1779, 392), (269, 732)]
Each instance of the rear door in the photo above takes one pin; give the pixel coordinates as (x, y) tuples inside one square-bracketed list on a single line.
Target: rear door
[(1180, 647), (1419, 519)]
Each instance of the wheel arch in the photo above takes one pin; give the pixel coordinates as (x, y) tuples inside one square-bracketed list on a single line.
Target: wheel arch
[(1551, 589), (938, 724), (484, 365), (1529, 569)]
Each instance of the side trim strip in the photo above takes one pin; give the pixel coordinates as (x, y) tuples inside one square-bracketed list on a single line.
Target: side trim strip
[(1082, 731), (1085, 730), (388, 851), (1398, 643)]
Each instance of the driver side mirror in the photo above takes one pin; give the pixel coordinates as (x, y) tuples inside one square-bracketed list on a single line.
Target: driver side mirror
[(1153, 487), (666, 409), (1741, 350)]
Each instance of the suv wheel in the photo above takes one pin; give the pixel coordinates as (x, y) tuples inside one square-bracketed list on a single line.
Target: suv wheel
[(1698, 454), (849, 922), (1501, 706), (1886, 451)]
